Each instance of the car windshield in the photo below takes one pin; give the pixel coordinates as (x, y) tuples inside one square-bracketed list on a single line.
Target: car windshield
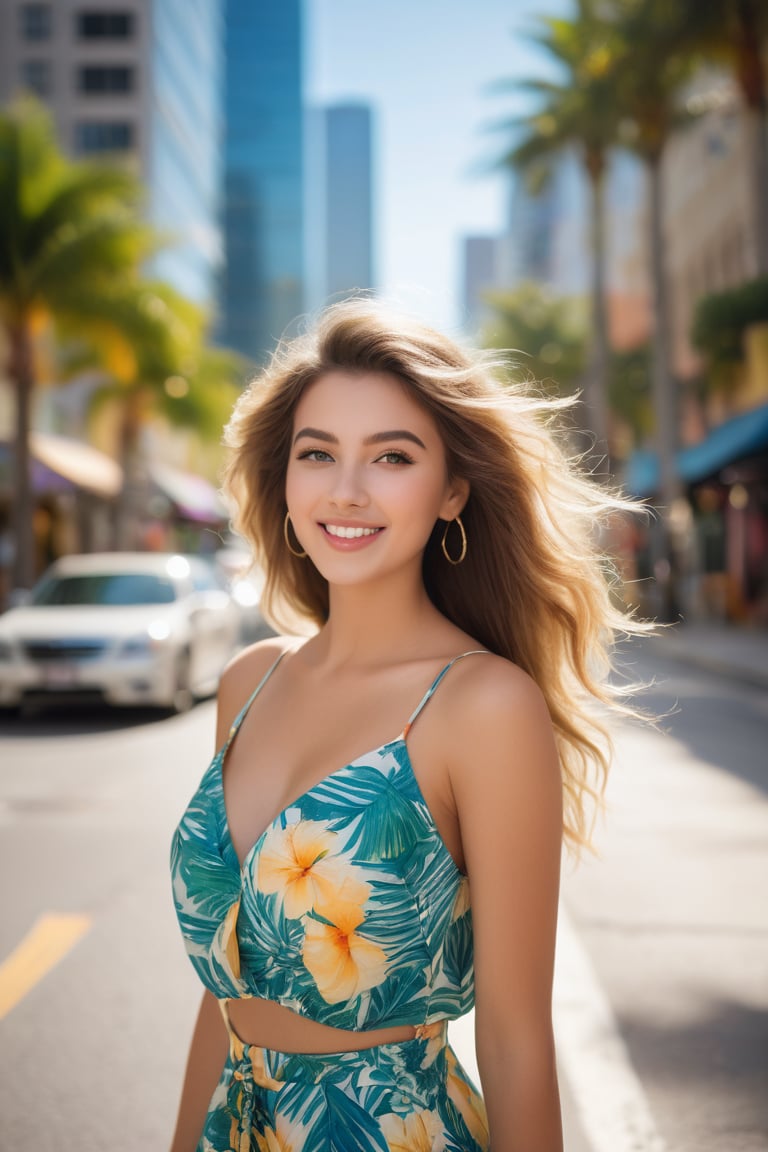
[(115, 588)]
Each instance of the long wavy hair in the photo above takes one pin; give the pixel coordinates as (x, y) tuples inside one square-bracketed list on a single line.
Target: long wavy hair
[(535, 586)]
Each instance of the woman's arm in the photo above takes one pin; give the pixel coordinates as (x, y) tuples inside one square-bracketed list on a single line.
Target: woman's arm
[(207, 1053), (507, 786)]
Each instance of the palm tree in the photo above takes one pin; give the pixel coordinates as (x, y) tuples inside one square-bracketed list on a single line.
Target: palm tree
[(654, 65), (170, 374), (69, 243), (577, 112), (654, 68)]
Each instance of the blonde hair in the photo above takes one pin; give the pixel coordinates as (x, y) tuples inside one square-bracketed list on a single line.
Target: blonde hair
[(534, 587)]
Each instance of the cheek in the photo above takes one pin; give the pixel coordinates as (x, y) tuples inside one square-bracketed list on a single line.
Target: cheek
[(417, 499), (296, 486)]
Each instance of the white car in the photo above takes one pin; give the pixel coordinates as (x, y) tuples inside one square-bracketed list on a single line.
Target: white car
[(129, 628)]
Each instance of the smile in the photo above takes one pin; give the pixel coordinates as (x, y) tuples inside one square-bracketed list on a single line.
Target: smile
[(347, 533)]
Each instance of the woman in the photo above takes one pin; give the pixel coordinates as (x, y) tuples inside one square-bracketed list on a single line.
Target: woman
[(424, 519)]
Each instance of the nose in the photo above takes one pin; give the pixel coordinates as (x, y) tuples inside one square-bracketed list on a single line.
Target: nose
[(348, 489)]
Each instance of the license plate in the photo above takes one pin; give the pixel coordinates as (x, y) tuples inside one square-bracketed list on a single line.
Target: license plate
[(60, 675)]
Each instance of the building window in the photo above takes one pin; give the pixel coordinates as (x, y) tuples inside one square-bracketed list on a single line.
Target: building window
[(113, 78), (104, 136), (35, 21), (105, 25), (36, 77)]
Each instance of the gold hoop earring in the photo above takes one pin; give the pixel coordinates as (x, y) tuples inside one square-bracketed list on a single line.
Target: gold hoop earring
[(293, 552), (447, 555)]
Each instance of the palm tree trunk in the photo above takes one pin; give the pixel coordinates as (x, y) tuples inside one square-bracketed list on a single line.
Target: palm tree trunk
[(125, 524), (598, 359), (664, 400), (22, 374)]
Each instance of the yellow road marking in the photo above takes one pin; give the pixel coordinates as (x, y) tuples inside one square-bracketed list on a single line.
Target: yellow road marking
[(48, 941)]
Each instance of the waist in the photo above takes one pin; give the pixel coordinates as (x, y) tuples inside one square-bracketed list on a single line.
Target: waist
[(265, 1024)]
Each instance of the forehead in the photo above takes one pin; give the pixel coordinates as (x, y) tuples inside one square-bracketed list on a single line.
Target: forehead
[(374, 399)]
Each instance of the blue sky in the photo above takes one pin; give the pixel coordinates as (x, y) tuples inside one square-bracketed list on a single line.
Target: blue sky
[(426, 67)]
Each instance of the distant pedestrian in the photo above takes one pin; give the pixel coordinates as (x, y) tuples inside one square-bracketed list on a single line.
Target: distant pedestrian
[(341, 904)]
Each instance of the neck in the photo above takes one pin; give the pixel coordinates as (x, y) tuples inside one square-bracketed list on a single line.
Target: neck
[(376, 623)]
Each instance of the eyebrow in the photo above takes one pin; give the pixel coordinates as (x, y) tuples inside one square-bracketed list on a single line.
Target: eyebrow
[(376, 438)]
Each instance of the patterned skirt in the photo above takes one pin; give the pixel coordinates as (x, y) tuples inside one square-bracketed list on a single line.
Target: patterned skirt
[(410, 1096)]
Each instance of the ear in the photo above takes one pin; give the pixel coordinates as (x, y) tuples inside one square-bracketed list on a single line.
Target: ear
[(456, 496)]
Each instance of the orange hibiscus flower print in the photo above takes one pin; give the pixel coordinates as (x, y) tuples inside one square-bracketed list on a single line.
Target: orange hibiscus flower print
[(341, 961), (302, 864), (419, 1132)]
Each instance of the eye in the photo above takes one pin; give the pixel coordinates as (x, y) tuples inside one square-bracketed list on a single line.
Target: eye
[(315, 454), (396, 457)]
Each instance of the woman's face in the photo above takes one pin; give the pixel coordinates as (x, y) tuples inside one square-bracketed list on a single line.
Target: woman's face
[(367, 476)]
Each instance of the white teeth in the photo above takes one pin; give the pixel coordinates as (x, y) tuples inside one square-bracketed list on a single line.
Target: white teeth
[(349, 533)]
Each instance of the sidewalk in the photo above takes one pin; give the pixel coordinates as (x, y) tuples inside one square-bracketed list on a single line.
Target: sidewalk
[(727, 649)]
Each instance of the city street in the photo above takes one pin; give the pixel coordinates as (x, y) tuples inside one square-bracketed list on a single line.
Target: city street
[(661, 1002)]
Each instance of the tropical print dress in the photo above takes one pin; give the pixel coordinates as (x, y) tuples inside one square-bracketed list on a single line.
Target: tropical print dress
[(349, 910)]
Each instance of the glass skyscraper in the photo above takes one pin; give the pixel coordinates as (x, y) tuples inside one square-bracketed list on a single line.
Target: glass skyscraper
[(339, 202), (183, 155), (348, 200), (262, 288), (137, 79)]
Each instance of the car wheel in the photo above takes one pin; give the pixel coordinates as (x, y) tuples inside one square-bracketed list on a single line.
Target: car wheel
[(183, 697)]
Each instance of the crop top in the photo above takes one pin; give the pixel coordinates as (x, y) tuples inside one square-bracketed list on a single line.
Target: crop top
[(348, 909)]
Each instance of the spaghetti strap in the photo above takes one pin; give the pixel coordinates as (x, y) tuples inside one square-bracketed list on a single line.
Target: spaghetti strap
[(433, 686), (241, 714)]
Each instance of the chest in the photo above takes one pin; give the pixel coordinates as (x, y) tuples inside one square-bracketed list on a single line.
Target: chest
[(287, 746)]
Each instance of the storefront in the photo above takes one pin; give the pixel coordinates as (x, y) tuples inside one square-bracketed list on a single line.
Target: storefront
[(726, 481), (74, 487), (78, 491)]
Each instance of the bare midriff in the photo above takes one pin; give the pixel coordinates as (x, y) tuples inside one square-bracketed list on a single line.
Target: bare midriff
[(270, 1025)]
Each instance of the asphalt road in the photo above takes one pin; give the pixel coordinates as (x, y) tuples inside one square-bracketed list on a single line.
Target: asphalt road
[(661, 1004)]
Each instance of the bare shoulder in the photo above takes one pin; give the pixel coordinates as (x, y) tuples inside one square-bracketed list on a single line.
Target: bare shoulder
[(240, 677), (495, 722), (489, 689)]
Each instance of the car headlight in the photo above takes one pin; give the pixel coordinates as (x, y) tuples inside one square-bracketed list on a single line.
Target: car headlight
[(158, 631), (147, 643)]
